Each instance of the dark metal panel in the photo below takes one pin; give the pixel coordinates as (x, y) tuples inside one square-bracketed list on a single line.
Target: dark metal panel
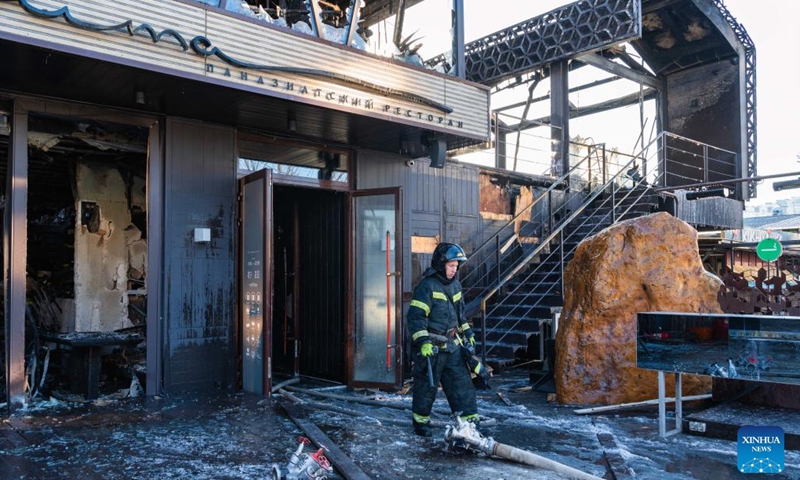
[(714, 212), (15, 243), (738, 38), (707, 111), (199, 281), (155, 251), (322, 292)]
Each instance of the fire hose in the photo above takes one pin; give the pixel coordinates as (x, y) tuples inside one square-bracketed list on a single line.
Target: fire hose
[(464, 435), (302, 465)]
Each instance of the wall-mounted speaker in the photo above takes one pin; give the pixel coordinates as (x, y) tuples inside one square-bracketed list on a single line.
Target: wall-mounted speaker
[(438, 149)]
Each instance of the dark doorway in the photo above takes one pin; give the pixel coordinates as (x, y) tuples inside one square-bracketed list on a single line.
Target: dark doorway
[(309, 284)]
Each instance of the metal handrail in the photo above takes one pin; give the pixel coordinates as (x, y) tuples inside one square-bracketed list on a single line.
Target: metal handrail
[(564, 255), (468, 280), (610, 183), (560, 181)]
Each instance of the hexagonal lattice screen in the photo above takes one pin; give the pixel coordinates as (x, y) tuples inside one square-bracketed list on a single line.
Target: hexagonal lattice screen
[(575, 28)]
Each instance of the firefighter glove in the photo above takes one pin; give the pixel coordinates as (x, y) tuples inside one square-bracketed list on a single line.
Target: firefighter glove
[(470, 336), (426, 349)]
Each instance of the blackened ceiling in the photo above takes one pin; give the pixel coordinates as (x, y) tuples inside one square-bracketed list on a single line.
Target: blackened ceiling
[(677, 35)]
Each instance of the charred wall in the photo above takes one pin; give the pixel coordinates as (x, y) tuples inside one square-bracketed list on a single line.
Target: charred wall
[(199, 282), (704, 104)]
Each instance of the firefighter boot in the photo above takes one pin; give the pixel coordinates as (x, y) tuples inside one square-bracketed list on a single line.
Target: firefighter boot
[(475, 420), (422, 429)]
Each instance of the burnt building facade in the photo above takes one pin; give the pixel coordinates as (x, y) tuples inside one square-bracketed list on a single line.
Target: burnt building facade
[(238, 195)]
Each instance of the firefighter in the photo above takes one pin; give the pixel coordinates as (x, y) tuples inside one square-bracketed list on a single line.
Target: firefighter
[(438, 308)]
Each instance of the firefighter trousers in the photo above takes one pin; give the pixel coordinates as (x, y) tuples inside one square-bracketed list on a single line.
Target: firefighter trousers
[(449, 369)]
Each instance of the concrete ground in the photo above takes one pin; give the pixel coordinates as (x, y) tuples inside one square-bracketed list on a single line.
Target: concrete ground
[(240, 437)]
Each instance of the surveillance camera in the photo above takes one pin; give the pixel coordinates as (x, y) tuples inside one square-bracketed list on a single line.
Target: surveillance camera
[(410, 163)]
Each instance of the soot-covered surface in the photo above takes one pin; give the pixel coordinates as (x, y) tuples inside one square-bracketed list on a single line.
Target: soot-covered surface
[(240, 437)]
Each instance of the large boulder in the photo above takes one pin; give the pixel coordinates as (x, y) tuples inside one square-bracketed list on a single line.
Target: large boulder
[(647, 264)]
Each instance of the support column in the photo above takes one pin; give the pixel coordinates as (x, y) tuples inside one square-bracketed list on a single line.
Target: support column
[(458, 52), (499, 142), (15, 254), (559, 116)]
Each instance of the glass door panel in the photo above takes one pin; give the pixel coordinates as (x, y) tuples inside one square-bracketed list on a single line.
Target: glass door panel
[(377, 259)]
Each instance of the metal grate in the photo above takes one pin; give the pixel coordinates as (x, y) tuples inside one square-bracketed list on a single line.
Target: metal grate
[(556, 35)]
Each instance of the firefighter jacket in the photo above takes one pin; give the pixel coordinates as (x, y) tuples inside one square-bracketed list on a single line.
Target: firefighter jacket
[(437, 307)]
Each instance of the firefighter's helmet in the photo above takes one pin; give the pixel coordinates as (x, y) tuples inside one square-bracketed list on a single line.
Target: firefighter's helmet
[(446, 252)]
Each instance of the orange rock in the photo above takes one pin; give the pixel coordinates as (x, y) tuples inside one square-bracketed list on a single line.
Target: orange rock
[(647, 264)]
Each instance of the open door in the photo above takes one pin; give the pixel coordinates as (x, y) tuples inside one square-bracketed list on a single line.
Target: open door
[(376, 339), (255, 282)]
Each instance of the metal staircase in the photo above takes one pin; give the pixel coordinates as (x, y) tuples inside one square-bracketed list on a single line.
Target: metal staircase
[(514, 281)]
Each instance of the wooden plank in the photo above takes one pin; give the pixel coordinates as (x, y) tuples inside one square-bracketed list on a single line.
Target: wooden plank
[(616, 463), (502, 396), (12, 435), (338, 458)]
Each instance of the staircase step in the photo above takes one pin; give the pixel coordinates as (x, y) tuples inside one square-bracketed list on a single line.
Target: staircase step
[(519, 322), (523, 286), (516, 336), (534, 313), (536, 299), (503, 350), (499, 363)]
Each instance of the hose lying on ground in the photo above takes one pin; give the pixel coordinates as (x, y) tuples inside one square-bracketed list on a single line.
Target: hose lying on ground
[(464, 435)]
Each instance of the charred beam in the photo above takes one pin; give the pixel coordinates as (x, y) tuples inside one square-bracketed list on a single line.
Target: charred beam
[(586, 86), (352, 26), (620, 102), (596, 60), (632, 63)]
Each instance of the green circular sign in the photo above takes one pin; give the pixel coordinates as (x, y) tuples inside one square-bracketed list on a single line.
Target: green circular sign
[(769, 249)]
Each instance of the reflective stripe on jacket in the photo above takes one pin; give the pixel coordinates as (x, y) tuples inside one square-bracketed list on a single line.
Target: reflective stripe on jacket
[(435, 308)]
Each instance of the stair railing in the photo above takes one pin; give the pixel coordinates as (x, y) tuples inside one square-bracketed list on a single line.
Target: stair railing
[(613, 185), (488, 271)]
